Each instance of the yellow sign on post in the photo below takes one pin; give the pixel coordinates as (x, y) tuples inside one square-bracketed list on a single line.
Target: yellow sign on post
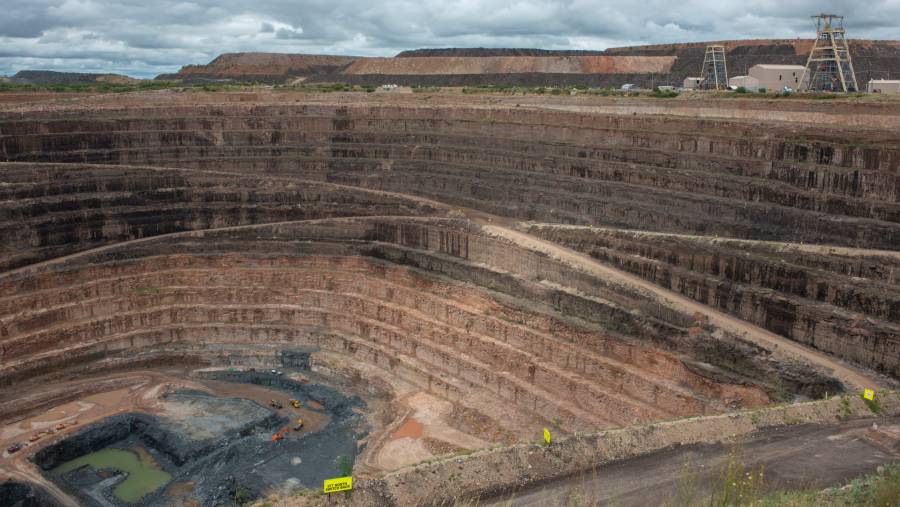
[(547, 436), (338, 484), (869, 394)]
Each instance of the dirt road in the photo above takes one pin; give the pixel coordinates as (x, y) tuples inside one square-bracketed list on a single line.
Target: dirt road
[(793, 457)]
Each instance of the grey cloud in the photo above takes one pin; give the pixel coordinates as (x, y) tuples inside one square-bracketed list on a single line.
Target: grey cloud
[(146, 37), (287, 33)]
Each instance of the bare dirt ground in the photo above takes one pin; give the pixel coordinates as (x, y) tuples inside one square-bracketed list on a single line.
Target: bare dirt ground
[(427, 421), (803, 456)]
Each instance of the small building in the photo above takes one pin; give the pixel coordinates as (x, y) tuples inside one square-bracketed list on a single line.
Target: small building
[(883, 86), (748, 82), (692, 83), (775, 77)]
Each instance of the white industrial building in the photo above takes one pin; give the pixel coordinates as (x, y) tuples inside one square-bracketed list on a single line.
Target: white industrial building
[(883, 86), (748, 82), (692, 83), (775, 77)]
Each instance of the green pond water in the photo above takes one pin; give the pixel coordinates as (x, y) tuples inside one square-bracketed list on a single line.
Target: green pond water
[(144, 474)]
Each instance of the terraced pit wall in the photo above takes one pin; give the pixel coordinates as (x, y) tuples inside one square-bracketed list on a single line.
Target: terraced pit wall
[(415, 298), (747, 178), (842, 301), (665, 174)]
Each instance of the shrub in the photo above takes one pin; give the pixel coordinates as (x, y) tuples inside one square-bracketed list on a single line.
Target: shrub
[(887, 489), (873, 405), (664, 94), (345, 466)]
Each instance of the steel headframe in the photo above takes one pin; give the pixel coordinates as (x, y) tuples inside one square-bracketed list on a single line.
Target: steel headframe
[(829, 66), (714, 74)]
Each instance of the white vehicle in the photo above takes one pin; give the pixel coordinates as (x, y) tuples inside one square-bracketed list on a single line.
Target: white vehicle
[(629, 86)]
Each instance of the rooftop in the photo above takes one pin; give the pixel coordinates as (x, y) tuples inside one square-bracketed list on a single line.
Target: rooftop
[(776, 66)]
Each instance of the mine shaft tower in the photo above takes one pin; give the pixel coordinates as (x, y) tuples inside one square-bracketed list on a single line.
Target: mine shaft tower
[(829, 67), (714, 74)]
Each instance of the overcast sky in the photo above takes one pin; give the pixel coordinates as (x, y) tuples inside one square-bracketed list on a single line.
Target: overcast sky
[(146, 37)]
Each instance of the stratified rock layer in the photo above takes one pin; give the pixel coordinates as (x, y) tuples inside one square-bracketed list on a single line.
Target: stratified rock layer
[(227, 229)]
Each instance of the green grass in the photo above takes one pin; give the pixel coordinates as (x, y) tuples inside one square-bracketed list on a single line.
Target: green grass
[(91, 87), (736, 485), (345, 466), (873, 405), (425, 89), (663, 94), (875, 490)]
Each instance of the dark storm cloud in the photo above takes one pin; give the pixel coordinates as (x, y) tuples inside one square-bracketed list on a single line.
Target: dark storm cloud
[(146, 37)]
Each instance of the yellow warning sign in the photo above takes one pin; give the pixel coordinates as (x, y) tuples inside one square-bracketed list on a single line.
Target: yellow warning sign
[(869, 394), (547, 436), (338, 484)]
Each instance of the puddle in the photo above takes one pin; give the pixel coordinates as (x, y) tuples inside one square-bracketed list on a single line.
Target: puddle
[(144, 475), (411, 428)]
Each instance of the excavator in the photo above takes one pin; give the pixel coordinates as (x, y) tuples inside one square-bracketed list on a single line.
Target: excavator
[(279, 435)]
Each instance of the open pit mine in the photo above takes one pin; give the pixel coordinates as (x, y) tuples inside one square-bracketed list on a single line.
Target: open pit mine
[(214, 298)]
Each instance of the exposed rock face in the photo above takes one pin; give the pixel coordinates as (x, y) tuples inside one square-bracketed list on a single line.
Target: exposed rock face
[(461, 65), (50, 211), (238, 228), (684, 173), (842, 301), (434, 302), (818, 184)]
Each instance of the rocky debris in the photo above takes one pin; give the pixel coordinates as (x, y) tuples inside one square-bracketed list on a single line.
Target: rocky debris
[(17, 494)]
